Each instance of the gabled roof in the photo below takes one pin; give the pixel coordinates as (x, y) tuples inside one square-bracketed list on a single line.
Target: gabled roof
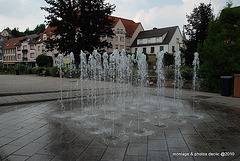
[(169, 31), (30, 38), (12, 42), (7, 29), (49, 31), (129, 25)]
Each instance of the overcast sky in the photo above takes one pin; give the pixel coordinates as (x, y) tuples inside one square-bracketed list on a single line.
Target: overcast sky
[(151, 13)]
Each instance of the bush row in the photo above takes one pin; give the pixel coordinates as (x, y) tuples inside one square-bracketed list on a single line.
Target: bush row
[(50, 71)]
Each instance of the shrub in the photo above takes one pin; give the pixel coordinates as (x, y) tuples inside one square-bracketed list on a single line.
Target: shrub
[(42, 60), (39, 70), (29, 71), (53, 71), (47, 71), (21, 68), (169, 74), (34, 70), (187, 73)]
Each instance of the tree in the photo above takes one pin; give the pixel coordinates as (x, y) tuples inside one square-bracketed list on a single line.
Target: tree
[(196, 30), (221, 50), (168, 59), (28, 31), (16, 33), (42, 60), (39, 29), (79, 25)]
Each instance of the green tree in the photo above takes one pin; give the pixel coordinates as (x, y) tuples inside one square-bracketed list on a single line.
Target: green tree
[(39, 29), (196, 30), (168, 59), (16, 33), (80, 25), (28, 31), (220, 53), (42, 60)]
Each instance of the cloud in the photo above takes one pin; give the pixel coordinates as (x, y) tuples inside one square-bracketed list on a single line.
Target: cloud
[(21, 14)]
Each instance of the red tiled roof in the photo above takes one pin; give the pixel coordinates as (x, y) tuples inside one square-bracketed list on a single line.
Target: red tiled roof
[(48, 31), (11, 43), (129, 25)]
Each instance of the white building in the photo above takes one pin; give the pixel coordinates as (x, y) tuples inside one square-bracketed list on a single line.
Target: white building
[(167, 39)]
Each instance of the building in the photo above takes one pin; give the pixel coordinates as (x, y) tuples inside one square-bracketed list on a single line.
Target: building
[(6, 32), (9, 52), (125, 32), (26, 50), (168, 40), (3, 41), (41, 45)]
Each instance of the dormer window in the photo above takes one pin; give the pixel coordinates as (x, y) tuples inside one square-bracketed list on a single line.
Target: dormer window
[(44, 37)]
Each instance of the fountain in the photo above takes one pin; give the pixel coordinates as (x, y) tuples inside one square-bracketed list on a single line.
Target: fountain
[(125, 108)]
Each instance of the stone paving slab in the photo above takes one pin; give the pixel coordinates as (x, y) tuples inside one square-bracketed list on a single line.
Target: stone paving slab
[(27, 133)]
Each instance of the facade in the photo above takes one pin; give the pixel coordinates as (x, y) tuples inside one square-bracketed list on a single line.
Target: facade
[(9, 52), (3, 41), (165, 39), (41, 44), (125, 32), (168, 40), (6, 32), (26, 50)]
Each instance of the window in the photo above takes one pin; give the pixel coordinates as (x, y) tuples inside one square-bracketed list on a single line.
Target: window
[(116, 38), (43, 48), (144, 50), (139, 41), (121, 38), (127, 40), (121, 47), (19, 48), (32, 47), (25, 47), (19, 56), (173, 49), (39, 48), (116, 47), (161, 48), (152, 49), (148, 41), (32, 55), (128, 48)]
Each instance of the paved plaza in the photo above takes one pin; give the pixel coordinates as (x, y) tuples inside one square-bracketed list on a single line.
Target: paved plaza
[(28, 133)]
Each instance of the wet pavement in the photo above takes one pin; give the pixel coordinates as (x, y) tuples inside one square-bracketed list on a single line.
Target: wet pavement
[(28, 133)]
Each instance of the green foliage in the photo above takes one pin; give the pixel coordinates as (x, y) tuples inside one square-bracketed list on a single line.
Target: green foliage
[(47, 71), (152, 73), (53, 71), (22, 68), (79, 24), (169, 74), (220, 54), (187, 72), (168, 59), (29, 71), (34, 70), (39, 70), (42, 60), (196, 30), (39, 29)]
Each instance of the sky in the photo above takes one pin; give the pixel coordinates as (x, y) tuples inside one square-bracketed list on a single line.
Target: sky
[(151, 13)]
